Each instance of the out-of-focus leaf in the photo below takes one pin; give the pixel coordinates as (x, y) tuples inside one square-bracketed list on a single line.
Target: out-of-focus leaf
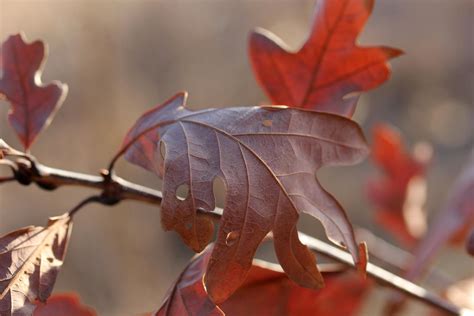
[(400, 194), (266, 291), (268, 157), (453, 222), (329, 70), (32, 103), (30, 259), (67, 304)]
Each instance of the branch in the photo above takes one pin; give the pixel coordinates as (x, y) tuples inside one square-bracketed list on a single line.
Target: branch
[(115, 189), (397, 258), (382, 276)]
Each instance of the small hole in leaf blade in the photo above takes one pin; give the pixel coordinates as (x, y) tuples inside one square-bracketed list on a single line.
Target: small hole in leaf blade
[(182, 192)]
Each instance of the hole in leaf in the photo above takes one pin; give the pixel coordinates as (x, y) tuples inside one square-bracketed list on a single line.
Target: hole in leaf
[(231, 238), (219, 189), (267, 123), (182, 192)]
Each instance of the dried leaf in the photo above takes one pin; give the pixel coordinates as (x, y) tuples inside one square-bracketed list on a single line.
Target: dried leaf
[(399, 196), (32, 103), (269, 172), (329, 70), (30, 259), (343, 294), (188, 295), (67, 304)]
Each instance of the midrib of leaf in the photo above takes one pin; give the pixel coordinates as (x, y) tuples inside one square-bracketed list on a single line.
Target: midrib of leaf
[(246, 147), (190, 175), (33, 255), (24, 94), (315, 70), (275, 177)]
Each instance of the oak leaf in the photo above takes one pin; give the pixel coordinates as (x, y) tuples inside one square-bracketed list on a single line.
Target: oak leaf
[(342, 295), (32, 103), (66, 304), (30, 259), (329, 70), (400, 194), (267, 157)]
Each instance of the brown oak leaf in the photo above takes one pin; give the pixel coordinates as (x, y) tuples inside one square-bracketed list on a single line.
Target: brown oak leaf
[(30, 259), (32, 103), (267, 157)]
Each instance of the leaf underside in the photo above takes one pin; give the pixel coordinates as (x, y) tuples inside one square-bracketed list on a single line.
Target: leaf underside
[(32, 103), (267, 157), (30, 259)]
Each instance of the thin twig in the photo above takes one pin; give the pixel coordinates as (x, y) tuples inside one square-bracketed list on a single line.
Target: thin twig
[(7, 179), (75, 209), (381, 275), (133, 141), (131, 191)]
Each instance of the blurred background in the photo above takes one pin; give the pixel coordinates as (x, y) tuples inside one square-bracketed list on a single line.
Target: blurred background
[(119, 58)]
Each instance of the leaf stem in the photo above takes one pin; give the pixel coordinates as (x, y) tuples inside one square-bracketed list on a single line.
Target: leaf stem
[(75, 209), (131, 142), (7, 179)]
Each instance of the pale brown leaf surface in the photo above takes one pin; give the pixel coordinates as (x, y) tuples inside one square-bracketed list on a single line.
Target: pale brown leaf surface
[(267, 157), (30, 259)]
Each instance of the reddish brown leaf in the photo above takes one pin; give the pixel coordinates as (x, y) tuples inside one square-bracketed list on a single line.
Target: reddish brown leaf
[(266, 291), (268, 157), (30, 259), (67, 304), (329, 69), (32, 103), (400, 194), (343, 294), (188, 295)]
